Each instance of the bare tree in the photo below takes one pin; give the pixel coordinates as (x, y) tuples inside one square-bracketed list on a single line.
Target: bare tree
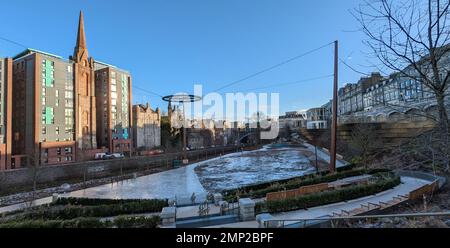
[(411, 37), (365, 143), (427, 151)]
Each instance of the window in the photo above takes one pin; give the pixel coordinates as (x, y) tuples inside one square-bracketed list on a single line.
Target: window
[(68, 121), (69, 158), (68, 112), (69, 103), (69, 94), (69, 86), (68, 149), (58, 151), (57, 130), (44, 130)]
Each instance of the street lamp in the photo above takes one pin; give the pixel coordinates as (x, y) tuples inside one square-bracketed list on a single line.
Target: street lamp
[(182, 99)]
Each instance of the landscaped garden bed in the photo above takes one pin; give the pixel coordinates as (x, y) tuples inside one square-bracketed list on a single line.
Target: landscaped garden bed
[(82, 222), (83, 212), (382, 181), (260, 190)]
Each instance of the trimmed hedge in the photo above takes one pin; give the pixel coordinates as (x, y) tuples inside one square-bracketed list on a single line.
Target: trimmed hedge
[(259, 186), (74, 223), (72, 212), (97, 201), (296, 183), (120, 222), (328, 197), (137, 222)]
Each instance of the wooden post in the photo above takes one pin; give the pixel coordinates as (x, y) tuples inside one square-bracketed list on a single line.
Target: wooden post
[(334, 111)]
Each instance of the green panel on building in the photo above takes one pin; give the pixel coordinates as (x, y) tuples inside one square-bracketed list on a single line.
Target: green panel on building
[(48, 115), (48, 73)]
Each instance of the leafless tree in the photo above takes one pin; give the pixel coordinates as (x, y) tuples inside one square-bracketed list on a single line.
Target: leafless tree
[(411, 37), (365, 143), (427, 151)]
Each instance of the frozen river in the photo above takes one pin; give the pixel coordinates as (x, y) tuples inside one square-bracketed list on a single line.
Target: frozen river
[(243, 168), (229, 171)]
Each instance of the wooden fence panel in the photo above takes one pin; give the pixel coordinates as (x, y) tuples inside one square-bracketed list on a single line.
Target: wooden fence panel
[(424, 190), (275, 196)]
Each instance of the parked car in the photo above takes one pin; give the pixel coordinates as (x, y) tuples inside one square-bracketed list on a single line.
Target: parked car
[(100, 155), (113, 155), (117, 155)]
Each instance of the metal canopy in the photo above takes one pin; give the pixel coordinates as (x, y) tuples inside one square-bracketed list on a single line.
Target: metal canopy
[(181, 98)]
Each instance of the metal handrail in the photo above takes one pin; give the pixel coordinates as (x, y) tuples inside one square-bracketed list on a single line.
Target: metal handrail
[(369, 216), (304, 222)]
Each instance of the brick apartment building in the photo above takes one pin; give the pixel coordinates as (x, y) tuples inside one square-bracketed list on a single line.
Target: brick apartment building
[(5, 112), (113, 89)]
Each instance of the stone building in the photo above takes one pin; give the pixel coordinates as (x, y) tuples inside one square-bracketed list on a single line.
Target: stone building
[(147, 127), (351, 96), (293, 120), (389, 99), (316, 118), (84, 97)]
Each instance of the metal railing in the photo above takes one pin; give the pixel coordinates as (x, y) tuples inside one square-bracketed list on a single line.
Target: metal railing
[(334, 221)]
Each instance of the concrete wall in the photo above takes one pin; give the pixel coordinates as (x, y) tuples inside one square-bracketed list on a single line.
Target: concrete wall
[(389, 133)]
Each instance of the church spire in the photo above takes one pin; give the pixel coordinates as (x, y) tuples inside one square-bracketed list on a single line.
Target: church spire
[(80, 48)]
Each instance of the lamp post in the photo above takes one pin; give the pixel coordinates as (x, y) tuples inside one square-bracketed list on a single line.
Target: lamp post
[(182, 99)]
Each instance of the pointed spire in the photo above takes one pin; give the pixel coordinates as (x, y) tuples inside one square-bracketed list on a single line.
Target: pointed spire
[(81, 37), (80, 47)]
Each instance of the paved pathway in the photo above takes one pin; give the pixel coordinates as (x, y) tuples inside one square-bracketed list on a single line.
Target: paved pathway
[(23, 205), (179, 183), (408, 184)]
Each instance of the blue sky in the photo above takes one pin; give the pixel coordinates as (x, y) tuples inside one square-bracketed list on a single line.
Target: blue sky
[(170, 45)]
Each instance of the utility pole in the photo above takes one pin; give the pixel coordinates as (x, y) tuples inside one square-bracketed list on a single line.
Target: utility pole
[(334, 111), (184, 132)]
